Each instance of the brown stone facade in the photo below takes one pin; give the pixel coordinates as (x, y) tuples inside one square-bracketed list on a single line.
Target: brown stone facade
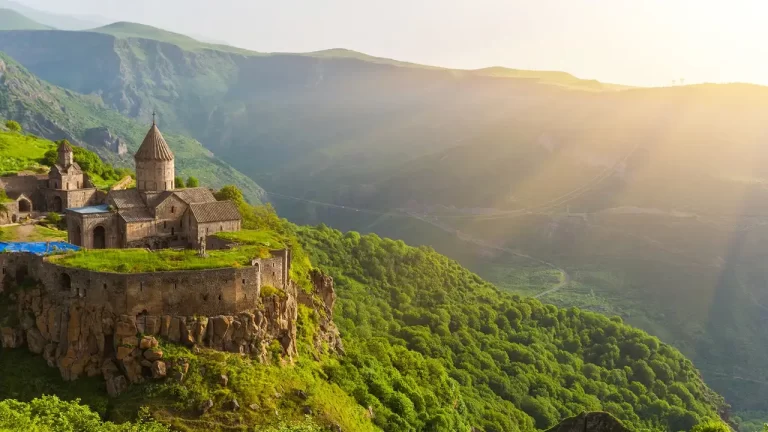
[(94, 323)]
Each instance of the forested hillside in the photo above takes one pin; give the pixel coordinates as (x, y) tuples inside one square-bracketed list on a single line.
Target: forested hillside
[(417, 325)]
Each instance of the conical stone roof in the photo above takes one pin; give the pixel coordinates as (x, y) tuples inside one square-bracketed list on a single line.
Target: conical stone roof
[(65, 147), (154, 146)]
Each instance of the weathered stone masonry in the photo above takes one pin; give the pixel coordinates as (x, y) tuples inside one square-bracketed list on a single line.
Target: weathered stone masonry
[(86, 323)]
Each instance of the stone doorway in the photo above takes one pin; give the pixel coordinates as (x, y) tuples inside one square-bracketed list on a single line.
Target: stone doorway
[(24, 206), (99, 238), (58, 206)]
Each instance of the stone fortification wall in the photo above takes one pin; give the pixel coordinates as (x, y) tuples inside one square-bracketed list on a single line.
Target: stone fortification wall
[(95, 323), (26, 184), (189, 292)]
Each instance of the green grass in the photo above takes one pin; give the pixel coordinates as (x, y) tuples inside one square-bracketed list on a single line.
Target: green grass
[(143, 261), (254, 244), (254, 237), (19, 152), (38, 233)]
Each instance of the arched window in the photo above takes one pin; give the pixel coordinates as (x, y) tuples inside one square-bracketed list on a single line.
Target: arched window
[(221, 227), (67, 186), (173, 209), (165, 224)]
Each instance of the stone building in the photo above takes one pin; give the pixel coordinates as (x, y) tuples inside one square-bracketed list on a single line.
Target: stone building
[(153, 215), (64, 186)]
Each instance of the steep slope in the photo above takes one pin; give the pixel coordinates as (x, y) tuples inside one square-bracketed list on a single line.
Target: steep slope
[(12, 20), (56, 114)]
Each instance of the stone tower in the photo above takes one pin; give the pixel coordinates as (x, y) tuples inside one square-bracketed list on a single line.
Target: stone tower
[(66, 155), (155, 170)]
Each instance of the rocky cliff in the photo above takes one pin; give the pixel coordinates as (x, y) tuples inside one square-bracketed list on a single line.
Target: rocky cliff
[(82, 339)]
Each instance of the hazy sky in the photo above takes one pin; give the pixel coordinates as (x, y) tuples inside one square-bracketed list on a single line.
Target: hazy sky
[(641, 42)]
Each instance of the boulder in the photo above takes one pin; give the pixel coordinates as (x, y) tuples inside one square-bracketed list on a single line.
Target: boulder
[(124, 352), (233, 405), (223, 380), (153, 354), (11, 337), (147, 342), (123, 328), (109, 370), (132, 370), (307, 410), (158, 370), (152, 325), (35, 341), (116, 385), (592, 422), (206, 406)]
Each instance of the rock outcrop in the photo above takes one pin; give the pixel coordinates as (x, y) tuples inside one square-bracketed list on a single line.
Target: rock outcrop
[(86, 339), (590, 422), (322, 300), (102, 137)]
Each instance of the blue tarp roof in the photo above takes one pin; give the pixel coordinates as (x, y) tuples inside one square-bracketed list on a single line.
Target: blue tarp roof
[(39, 248), (90, 209)]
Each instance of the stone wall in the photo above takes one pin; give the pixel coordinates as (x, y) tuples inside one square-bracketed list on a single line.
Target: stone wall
[(189, 292), (200, 230), (26, 184), (155, 175), (70, 198), (91, 323)]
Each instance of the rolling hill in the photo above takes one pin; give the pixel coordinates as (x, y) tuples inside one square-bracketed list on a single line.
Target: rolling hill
[(12, 20), (652, 201)]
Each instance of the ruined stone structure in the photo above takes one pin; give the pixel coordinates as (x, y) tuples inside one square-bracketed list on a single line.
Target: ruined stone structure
[(153, 215), (89, 323), (64, 186)]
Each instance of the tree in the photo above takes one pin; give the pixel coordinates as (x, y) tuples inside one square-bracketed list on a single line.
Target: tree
[(230, 193), (711, 426), (13, 126), (179, 182), (192, 182)]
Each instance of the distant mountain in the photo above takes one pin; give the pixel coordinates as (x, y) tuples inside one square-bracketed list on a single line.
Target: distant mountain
[(59, 21), (12, 20), (55, 113)]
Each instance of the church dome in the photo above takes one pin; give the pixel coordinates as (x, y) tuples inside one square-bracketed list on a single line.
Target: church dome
[(65, 147), (154, 146)]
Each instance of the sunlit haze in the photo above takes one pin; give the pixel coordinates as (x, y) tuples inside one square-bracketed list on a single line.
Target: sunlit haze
[(649, 42)]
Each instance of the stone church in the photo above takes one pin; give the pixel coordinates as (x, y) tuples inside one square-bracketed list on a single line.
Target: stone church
[(155, 214), (64, 186)]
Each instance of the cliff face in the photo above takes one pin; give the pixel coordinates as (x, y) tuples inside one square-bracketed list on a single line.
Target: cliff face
[(86, 339)]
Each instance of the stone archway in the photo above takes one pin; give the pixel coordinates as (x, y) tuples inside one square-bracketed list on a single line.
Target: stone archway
[(25, 206), (66, 282), (99, 237), (58, 206)]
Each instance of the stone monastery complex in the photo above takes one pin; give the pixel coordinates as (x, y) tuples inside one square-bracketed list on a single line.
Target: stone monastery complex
[(86, 322), (154, 215)]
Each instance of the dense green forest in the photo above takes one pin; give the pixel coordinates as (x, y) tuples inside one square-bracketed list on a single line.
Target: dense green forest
[(422, 331)]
